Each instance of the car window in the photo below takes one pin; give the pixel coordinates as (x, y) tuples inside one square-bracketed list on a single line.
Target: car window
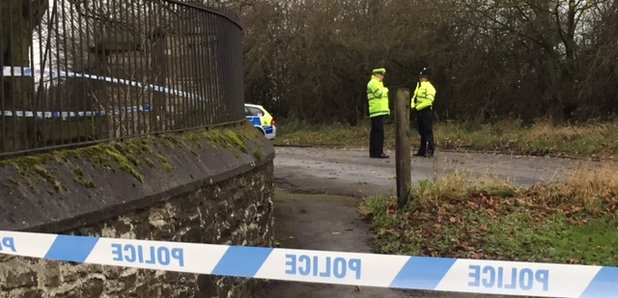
[(256, 112), (248, 112)]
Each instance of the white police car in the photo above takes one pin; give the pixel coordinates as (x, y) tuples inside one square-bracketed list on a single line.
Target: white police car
[(261, 119)]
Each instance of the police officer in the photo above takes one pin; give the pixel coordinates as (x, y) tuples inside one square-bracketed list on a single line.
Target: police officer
[(377, 96), (422, 103)]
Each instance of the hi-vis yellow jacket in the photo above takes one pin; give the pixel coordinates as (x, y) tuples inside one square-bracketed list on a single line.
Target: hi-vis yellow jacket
[(423, 97), (377, 95)]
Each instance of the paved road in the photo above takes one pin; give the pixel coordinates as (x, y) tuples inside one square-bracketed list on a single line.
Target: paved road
[(332, 223), (351, 172), (323, 223)]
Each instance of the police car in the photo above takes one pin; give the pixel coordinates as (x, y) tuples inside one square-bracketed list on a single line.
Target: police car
[(261, 119)]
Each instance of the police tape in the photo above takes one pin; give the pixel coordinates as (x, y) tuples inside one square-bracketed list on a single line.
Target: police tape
[(79, 114), (359, 269), (18, 71)]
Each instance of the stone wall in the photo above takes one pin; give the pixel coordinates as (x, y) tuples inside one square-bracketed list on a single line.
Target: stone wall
[(205, 191)]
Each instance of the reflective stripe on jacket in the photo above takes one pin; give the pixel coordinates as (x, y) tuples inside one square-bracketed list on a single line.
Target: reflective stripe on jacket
[(377, 95), (424, 95)]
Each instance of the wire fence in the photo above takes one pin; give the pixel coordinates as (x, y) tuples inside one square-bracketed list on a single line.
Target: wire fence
[(82, 71)]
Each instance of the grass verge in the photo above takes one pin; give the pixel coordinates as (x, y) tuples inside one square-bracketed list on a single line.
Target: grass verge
[(589, 140), (574, 221)]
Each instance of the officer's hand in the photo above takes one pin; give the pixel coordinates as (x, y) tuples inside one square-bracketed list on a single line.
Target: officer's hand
[(385, 89)]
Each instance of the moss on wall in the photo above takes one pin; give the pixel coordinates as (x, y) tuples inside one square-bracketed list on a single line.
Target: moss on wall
[(126, 156)]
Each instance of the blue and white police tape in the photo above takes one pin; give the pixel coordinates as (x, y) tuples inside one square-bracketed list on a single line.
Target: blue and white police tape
[(79, 114), (361, 269), (18, 71)]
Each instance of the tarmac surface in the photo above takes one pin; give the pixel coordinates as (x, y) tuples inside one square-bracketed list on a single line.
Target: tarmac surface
[(318, 190)]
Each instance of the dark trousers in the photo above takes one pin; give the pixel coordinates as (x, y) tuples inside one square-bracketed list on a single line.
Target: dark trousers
[(376, 138), (424, 119)]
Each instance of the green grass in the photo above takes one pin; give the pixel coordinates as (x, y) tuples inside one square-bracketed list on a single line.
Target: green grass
[(591, 140), (553, 239), (567, 222)]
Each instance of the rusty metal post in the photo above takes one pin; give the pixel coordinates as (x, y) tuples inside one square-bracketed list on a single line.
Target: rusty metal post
[(402, 145)]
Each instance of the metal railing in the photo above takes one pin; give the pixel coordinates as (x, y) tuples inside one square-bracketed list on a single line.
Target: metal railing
[(82, 71)]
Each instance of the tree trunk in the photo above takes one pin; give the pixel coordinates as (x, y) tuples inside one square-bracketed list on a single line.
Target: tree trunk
[(16, 90)]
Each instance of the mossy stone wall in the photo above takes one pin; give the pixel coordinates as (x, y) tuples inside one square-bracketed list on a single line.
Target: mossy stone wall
[(205, 186)]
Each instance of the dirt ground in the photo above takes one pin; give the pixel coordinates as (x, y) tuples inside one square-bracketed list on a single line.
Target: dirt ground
[(319, 190)]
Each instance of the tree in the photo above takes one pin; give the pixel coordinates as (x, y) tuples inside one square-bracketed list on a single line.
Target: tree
[(529, 59), (550, 27), (18, 19)]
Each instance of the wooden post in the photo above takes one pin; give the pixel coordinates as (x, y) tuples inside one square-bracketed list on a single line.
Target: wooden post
[(402, 144)]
